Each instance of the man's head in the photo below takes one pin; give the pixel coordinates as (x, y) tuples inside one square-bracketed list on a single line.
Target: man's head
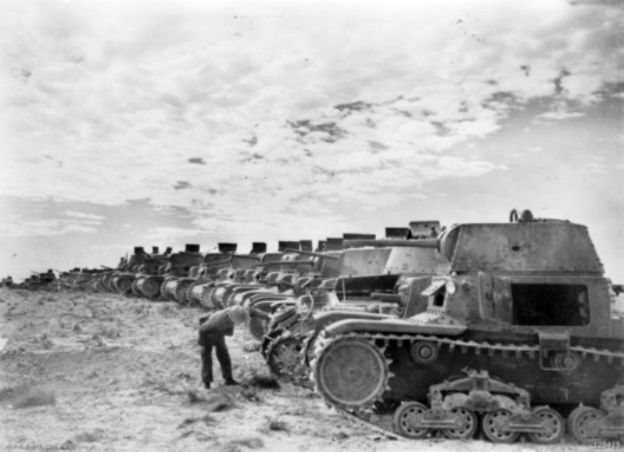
[(239, 314)]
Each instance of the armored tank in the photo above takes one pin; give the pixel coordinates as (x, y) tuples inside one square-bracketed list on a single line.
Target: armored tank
[(272, 280), (151, 273), (224, 266), (176, 281), (369, 273), (295, 272), (122, 280), (40, 281), (517, 335), (7, 282)]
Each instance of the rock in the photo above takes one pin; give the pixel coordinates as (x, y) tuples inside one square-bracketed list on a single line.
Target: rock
[(195, 397), (275, 425), (251, 347), (214, 401), (340, 436), (250, 394), (263, 381)]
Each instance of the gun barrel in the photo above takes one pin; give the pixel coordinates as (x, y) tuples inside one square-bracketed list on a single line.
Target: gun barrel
[(382, 243), (214, 264), (312, 253), (246, 256), (284, 263)]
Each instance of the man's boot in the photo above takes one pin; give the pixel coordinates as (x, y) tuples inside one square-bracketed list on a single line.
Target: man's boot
[(231, 382)]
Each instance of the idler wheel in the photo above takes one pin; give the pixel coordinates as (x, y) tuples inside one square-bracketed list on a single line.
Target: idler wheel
[(584, 423), (284, 356), (351, 373), (553, 426), (424, 352), (469, 423), (407, 416), (495, 428)]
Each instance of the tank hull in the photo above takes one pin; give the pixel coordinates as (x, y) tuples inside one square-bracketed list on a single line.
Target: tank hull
[(584, 384)]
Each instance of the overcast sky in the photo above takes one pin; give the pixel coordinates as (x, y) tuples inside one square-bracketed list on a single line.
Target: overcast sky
[(162, 123)]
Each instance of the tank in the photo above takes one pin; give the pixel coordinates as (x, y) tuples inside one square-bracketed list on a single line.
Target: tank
[(223, 268), (122, 281), (151, 274), (364, 284), (517, 335), (176, 281), (7, 282), (276, 279), (40, 281)]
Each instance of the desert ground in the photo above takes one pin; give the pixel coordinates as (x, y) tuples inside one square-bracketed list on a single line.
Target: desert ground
[(101, 372)]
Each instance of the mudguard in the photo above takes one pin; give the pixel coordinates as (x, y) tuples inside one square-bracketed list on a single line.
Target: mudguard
[(393, 326)]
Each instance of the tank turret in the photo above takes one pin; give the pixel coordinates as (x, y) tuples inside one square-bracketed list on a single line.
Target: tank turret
[(258, 248), (398, 233), (283, 244), (306, 245), (226, 247), (423, 229), (333, 243)]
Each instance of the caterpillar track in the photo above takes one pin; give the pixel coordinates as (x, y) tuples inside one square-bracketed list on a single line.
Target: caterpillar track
[(353, 373), (283, 356)]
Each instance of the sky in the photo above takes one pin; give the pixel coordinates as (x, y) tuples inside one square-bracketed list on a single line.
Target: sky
[(140, 123)]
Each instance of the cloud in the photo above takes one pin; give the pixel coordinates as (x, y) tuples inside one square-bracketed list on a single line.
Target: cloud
[(85, 217), (12, 226), (209, 108), (560, 115)]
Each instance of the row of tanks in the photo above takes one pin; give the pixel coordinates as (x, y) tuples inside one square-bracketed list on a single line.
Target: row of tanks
[(503, 328), (506, 328)]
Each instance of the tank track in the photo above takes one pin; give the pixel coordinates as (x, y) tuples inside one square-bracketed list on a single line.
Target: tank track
[(478, 347), (365, 411), (296, 373)]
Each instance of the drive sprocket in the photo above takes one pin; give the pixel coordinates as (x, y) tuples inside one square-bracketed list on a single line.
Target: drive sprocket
[(284, 357), (350, 372)]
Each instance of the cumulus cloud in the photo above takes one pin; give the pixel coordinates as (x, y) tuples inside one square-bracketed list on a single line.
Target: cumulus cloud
[(85, 217), (12, 226), (254, 114), (559, 115)]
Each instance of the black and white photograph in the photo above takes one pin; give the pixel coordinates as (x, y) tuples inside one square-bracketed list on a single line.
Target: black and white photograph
[(312, 225)]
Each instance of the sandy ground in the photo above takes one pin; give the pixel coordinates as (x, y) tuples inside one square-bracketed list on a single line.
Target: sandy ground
[(104, 372)]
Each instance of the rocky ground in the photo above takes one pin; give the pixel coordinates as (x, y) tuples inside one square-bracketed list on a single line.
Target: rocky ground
[(104, 372)]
